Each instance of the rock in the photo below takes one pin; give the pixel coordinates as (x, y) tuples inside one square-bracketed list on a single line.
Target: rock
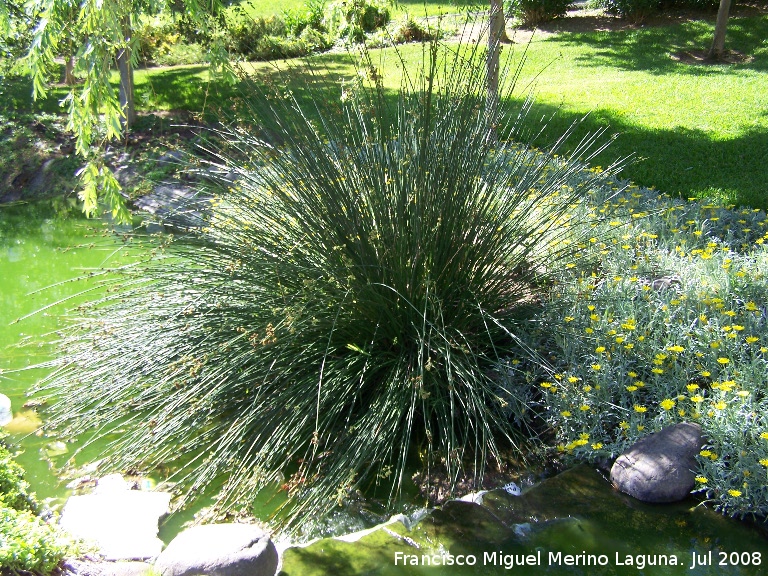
[(122, 522), (93, 568), (219, 550), (6, 414), (176, 205), (659, 468)]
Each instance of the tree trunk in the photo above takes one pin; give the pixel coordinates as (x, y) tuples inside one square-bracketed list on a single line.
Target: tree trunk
[(718, 43), (496, 35), (69, 70), (498, 26), (126, 79)]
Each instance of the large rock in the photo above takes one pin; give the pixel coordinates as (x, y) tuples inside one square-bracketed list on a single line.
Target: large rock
[(6, 414), (122, 522), (219, 550), (659, 468)]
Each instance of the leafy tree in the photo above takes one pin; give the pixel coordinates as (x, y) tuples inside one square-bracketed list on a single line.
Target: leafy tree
[(97, 112)]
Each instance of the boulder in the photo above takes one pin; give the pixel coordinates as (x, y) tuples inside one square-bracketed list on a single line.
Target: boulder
[(219, 550), (6, 414), (120, 521), (659, 468)]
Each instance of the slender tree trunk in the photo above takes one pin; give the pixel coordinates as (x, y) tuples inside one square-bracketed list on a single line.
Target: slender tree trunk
[(69, 69), (496, 35), (498, 22), (718, 43), (126, 79)]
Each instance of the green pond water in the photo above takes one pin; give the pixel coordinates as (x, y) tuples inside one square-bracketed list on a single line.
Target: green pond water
[(555, 527)]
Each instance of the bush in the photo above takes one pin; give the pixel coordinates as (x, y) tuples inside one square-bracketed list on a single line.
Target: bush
[(634, 11), (14, 490), (408, 30), (27, 543), (670, 327), (531, 13), (343, 310), (352, 19), (310, 16), (155, 40)]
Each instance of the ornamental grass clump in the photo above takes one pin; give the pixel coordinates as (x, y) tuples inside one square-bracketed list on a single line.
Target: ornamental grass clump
[(339, 317)]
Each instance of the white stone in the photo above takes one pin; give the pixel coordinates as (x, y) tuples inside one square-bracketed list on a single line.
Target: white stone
[(121, 522), (6, 414)]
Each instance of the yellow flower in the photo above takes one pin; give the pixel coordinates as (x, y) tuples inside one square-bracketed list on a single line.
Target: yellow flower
[(752, 339), (701, 480), (584, 408), (723, 361), (764, 435), (720, 405), (706, 373), (640, 409), (631, 388), (596, 367), (667, 404), (623, 425), (573, 379), (569, 318), (600, 349), (597, 446), (697, 398), (764, 462), (584, 436), (692, 386), (565, 414), (734, 493), (632, 374), (657, 370), (677, 349), (705, 453)]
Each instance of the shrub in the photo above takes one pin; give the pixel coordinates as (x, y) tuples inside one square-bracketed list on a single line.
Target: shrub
[(344, 307), (27, 543), (244, 33), (14, 490), (670, 327), (634, 11), (155, 39), (309, 16), (408, 30), (352, 19), (534, 12)]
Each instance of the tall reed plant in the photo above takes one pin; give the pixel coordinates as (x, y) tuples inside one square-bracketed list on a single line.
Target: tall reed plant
[(343, 310)]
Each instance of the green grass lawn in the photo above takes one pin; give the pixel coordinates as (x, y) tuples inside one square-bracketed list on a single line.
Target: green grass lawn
[(696, 130), (415, 8)]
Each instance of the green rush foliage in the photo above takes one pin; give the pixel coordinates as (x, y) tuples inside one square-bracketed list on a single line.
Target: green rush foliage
[(346, 303)]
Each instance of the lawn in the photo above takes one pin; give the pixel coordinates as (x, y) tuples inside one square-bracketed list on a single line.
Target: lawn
[(414, 8), (695, 130)]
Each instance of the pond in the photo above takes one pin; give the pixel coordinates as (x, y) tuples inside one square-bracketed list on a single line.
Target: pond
[(46, 249)]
